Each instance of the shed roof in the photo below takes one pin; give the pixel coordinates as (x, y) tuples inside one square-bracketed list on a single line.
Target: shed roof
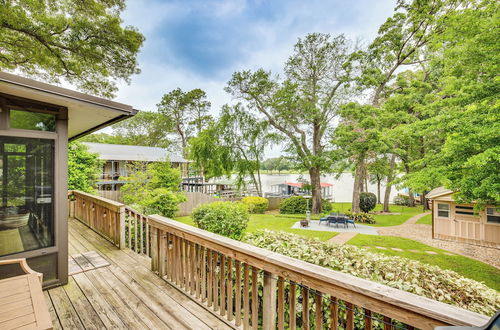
[(133, 153), (437, 192), (86, 113)]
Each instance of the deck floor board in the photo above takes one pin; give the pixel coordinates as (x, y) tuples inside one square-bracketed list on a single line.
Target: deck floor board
[(125, 294)]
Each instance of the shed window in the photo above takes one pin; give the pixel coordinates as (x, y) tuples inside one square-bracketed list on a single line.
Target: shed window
[(493, 215), (443, 210), (463, 209)]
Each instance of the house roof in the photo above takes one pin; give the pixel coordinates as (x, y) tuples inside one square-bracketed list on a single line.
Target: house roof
[(437, 192), (133, 153), (86, 113)]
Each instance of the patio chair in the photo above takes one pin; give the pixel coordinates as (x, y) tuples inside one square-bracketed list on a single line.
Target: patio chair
[(324, 219), (351, 221)]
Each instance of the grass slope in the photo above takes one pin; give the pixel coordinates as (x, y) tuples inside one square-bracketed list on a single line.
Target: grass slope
[(464, 266), (276, 222), (425, 220)]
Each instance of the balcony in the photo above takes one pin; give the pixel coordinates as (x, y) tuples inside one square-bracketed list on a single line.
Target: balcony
[(164, 274)]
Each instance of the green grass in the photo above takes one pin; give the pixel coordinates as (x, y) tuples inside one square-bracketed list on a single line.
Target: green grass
[(276, 222), (425, 220), (385, 220), (464, 266)]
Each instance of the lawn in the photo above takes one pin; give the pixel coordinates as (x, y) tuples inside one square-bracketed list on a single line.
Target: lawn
[(276, 222), (464, 266), (425, 220), (385, 220)]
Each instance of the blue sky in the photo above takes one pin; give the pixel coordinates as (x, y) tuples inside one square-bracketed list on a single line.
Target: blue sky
[(200, 43)]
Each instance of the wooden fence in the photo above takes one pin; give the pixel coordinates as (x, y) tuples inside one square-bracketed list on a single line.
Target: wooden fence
[(196, 198), (255, 288)]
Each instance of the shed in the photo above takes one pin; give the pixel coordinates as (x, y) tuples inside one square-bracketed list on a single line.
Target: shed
[(462, 222)]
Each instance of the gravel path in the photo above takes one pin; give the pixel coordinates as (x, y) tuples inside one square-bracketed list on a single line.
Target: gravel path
[(423, 234)]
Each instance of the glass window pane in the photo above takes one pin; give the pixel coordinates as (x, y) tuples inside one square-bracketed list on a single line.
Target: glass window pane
[(443, 207), (493, 215), (26, 201), (32, 120)]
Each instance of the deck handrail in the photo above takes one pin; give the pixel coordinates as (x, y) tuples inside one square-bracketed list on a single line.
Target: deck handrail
[(177, 246), (118, 223), (235, 279)]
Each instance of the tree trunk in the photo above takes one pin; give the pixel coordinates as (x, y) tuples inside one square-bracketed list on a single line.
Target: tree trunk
[(424, 201), (316, 190), (378, 190), (259, 190), (390, 177), (411, 201), (358, 184), (366, 182)]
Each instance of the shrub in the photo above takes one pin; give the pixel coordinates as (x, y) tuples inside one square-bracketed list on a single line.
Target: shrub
[(224, 218), (298, 205), (410, 275), (367, 201), (256, 204), (402, 200), (162, 201), (361, 217)]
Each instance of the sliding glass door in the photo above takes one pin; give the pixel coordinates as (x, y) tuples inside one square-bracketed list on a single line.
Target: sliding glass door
[(26, 192)]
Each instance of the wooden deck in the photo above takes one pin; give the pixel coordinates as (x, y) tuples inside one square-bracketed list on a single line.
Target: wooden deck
[(123, 295)]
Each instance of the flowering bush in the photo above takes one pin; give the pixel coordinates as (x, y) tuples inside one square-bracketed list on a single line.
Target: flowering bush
[(256, 204), (397, 272), (224, 218), (361, 217)]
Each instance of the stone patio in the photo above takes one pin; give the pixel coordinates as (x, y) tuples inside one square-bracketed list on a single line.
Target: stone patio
[(360, 229)]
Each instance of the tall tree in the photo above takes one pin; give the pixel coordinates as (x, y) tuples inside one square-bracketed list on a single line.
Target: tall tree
[(82, 42), (187, 111), (149, 129), (402, 41), (302, 105), (467, 112), (234, 144)]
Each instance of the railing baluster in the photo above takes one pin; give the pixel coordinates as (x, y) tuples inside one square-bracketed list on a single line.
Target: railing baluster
[(246, 297), (387, 323), (281, 303), (210, 275), (129, 229), (255, 299), (269, 302), (222, 271), (350, 316), (305, 308), (334, 314), (193, 268), (215, 285), (141, 236), (147, 237), (291, 303), (229, 289), (237, 300), (318, 301), (135, 232), (203, 270), (163, 259), (368, 320)]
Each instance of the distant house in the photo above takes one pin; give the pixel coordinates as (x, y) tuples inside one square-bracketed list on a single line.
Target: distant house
[(119, 158), (296, 188), (460, 222)]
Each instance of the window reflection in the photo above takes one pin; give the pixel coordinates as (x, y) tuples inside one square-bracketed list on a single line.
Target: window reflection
[(26, 190), (32, 121)]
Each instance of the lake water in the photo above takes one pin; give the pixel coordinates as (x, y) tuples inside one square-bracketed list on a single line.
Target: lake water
[(341, 190)]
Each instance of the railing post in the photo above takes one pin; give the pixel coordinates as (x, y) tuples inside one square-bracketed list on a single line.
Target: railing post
[(154, 249), (269, 302), (121, 243)]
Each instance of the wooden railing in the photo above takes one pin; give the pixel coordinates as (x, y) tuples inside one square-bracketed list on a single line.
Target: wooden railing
[(118, 223), (256, 288)]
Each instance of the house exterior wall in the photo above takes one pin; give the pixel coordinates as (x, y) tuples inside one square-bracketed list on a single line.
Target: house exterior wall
[(472, 229)]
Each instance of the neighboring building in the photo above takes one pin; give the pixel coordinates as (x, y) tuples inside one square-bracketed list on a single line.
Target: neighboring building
[(460, 222), (36, 122), (295, 188), (118, 159)]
